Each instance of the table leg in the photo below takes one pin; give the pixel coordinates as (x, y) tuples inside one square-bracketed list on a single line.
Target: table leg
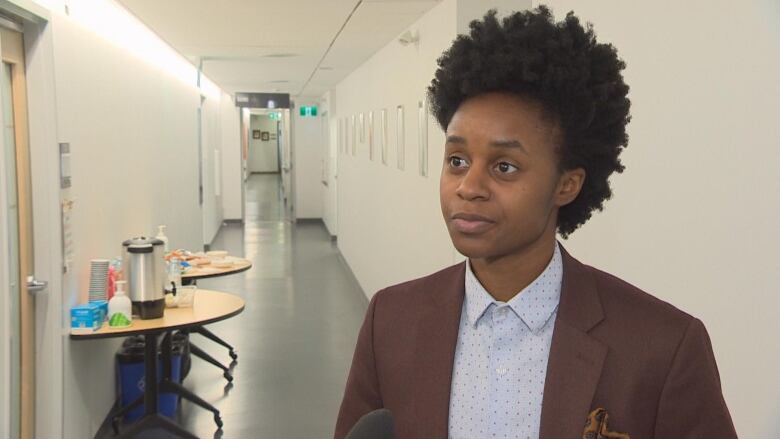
[(210, 335), (167, 385), (200, 353), (152, 419), (150, 380)]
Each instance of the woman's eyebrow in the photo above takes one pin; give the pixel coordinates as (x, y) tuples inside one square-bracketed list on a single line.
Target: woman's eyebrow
[(509, 143), (456, 139), (501, 143)]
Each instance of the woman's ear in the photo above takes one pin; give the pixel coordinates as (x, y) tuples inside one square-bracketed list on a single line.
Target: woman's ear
[(569, 186)]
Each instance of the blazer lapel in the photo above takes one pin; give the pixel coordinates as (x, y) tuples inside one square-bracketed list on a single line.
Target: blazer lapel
[(576, 358), (437, 336)]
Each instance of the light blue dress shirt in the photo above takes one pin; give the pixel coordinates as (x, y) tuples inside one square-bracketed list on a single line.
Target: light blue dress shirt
[(501, 358)]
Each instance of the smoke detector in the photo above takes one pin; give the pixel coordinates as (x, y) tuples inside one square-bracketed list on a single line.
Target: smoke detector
[(408, 38)]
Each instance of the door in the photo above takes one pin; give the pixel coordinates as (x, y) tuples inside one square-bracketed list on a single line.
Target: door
[(18, 210), (285, 149)]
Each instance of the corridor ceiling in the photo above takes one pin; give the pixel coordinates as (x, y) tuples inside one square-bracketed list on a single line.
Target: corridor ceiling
[(278, 46)]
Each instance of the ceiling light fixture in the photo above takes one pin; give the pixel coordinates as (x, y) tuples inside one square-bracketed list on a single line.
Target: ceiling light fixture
[(280, 55), (408, 38)]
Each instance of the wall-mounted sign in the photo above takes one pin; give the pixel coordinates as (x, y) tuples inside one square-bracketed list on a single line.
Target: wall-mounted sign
[(263, 100), (309, 111)]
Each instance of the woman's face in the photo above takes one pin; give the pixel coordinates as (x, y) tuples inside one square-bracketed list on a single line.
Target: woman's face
[(500, 186)]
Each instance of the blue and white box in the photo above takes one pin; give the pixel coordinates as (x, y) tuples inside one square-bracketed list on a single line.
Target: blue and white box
[(87, 317)]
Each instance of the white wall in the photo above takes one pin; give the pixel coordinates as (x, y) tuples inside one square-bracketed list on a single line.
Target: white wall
[(132, 127), (308, 155), (231, 158), (694, 218), (330, 153), (389, 221), (211, 138), (263, 154), (129, 175), (285, 148)]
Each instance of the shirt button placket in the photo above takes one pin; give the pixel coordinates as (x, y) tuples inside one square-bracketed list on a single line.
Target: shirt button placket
[(498, 369)]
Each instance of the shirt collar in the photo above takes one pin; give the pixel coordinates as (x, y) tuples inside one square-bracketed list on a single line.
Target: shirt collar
[(543, 293)]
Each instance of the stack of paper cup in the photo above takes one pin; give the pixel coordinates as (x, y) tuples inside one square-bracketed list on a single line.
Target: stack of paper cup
[(98, 279)]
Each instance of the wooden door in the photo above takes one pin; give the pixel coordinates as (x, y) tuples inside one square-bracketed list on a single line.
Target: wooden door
[(17, 149)]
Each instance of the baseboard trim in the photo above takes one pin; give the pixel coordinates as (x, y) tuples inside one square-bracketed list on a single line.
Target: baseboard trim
[(310, 221), (352, 275)]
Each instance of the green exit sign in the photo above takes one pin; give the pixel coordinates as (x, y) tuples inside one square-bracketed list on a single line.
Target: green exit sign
[(275, 116), (309, 111)]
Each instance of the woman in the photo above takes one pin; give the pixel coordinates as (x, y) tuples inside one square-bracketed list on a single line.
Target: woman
[(523, 340)]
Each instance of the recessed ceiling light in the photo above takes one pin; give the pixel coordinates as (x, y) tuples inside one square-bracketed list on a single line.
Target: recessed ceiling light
[(279, 81), (280, 55)]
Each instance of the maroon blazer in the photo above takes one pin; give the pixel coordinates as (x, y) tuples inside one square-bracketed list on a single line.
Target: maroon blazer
[(648, 364)]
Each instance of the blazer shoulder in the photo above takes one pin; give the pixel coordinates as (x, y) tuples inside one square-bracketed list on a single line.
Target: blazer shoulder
[(623, 301), (422, 287)]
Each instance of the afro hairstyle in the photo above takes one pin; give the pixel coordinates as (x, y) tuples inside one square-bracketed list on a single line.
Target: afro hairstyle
[(577, 81)]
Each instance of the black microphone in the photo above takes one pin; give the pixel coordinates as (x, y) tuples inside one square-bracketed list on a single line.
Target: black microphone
[(375, 425)]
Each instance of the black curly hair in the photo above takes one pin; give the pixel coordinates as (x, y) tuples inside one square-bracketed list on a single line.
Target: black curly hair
[(577, 81)]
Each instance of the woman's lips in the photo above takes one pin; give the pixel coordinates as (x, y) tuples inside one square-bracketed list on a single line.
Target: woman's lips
[(471, 224)]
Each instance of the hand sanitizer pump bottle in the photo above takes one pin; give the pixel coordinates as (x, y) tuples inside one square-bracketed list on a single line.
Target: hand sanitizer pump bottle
[(161, 236), (120, 312)]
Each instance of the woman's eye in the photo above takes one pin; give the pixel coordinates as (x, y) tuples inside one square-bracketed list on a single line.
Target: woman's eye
[(506, 168), (457, 162)]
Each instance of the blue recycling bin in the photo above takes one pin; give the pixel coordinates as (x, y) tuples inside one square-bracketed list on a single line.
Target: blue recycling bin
[(130, 375)]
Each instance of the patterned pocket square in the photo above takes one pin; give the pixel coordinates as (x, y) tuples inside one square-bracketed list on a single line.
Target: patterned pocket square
[(596, 427)]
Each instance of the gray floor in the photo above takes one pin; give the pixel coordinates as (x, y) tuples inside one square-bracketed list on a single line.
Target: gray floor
[(294, 339)]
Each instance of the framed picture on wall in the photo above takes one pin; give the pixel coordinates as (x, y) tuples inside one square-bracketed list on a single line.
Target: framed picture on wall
[(371, 135), (422, 136), (383, 135), (255, 134), (362, 128), (265, 136), (353, 135), (400, 136)]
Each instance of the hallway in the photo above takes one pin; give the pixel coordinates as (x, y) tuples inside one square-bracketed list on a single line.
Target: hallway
[(294, 339)]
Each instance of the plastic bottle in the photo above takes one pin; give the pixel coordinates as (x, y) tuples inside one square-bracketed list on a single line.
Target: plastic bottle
[(161, 236), (174, 276), (120, 309)]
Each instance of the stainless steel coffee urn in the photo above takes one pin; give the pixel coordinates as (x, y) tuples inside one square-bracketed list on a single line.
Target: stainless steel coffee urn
[(143, 261)]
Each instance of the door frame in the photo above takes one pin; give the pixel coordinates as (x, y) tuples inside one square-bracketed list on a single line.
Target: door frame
[(50, 315), (5, 318), (12, 38)]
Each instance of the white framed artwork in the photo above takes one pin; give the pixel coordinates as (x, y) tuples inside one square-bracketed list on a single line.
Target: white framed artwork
[(362, 128), (353, 134), (422, 136), (400, 137), (383, 134), (371, 135)]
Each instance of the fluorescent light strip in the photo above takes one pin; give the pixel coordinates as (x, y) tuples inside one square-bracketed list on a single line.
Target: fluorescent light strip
[(113, 23)]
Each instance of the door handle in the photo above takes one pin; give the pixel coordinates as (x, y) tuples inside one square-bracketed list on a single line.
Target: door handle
[(35, 286)]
